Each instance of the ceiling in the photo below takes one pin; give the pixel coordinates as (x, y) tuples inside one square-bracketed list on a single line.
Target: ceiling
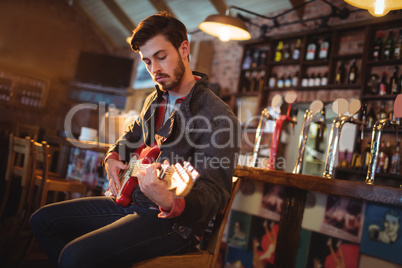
[(116, 19)]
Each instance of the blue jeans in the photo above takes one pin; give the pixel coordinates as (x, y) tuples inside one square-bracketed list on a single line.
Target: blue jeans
[(96, 232)]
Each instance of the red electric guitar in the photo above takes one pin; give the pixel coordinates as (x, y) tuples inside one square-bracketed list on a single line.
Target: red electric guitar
[(180, 178)]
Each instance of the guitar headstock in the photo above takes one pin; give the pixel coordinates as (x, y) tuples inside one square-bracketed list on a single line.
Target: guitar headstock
[(180, 178)]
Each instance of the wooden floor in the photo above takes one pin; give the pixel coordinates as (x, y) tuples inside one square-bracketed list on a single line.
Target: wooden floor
[(11, 255)]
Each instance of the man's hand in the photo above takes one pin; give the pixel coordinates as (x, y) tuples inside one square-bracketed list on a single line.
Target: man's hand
[(113, 168), (154, 188)]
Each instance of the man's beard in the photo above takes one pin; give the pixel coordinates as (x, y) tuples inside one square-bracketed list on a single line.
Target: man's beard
[(178, 75)]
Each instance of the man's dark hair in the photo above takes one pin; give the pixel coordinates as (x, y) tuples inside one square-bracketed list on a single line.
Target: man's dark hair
[(160, 23)]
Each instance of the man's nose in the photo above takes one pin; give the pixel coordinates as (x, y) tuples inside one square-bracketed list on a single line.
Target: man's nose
[(155, 69)]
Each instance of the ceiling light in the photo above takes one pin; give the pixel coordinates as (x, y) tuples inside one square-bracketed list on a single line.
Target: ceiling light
[(225, 27), (377, 8)]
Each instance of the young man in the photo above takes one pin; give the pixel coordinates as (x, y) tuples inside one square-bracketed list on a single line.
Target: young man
[(188, 123)]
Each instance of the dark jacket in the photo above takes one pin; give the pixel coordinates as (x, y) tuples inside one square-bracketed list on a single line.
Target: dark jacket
[(205, 132)]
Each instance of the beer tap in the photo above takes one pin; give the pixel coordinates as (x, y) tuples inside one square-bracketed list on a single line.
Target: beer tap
[(290, 98), (376, 137), (340, 106), (316, 108), (275, 104)]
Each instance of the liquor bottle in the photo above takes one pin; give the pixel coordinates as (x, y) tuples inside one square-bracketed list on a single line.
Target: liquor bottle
[(272, 81), (304, 82), (262, 58), (382, 114), (260, 80), (317, 80), (295, 79), (377, 49), (324, 48), (246, 82), (278, 52), (387, 158), (311, 49), (383, 87), (255, 57), (371, 118), (281, 81), (296, 50), (389, 46), (352, 73), (253, 81), (344, 162), (394, 82), (396, 160), (286, 52), (366, 156), (357, 155), (340, 74), (324, 79), (398, 46), (372, 85), (288, 81), (381, 158), (247, 60), (311, 80)]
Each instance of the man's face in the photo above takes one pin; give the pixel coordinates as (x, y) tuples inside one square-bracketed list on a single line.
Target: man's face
[(391, 225), (163, 62)]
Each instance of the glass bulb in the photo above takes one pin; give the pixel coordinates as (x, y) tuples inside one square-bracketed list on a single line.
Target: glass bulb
[(224, 34), (378, 8)]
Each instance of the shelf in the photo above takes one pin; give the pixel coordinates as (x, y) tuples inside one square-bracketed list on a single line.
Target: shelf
[(363, 173), (348, 56), (281, 63), (338, 87), (384, 62), (315, 63), (378, 97)]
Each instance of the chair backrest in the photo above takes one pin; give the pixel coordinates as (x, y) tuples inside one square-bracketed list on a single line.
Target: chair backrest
[(215, 237), (19, 155), (40, 166), (23, 130)]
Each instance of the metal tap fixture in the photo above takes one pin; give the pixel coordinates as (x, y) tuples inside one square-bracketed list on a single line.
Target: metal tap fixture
[(337, 124), (316, 108)]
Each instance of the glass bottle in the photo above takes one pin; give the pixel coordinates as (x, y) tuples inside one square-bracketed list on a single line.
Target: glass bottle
[(247, 60), (295, 79), (381, 158), (317, 80), (281, 81), (389, 46), (357, 155), (398, 46), (371, 118), (324, 79), (272, 81), (366, 156), (286, 52), (311, 49), (278, 52), (382, 114), (304, 82), (373, 85), (394, 82), (383, 87), (296, 50), (387, 158), (288, 81), (377, 49), (340, 74), (311, 80), (396, 160), (352, 73), (324, 48)]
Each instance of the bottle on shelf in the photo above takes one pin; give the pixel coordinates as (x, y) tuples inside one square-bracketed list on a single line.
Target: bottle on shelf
[(247, 60), (279, 52), (295, 79), (281, 81), (260, 80), (286, 52), (398, 46), (296, 50), (377, 49), (340, 74), (366, 156), (400, 84), (255, 58), (371, 117), (389, 46), (253, 81), (317, 80), (373, 85), (304, 82), (344, 162), (323, 53), (262, 59), (382, 114), (272, 81), (246, 82), (324, 79), (396, 160), (357, 155), (288, 81), (311, 49), (352, 76), (383, 86), (394, 82), (311, 80)]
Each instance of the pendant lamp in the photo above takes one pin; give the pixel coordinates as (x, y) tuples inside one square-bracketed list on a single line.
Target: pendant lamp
[(377, 8)]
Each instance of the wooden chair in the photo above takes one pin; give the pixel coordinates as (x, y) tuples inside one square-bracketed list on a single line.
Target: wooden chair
[(23, 130), (47, 181), (199, 257), (19, 166)]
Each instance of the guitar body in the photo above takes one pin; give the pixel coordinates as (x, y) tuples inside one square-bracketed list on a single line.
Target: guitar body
[(147, 156)]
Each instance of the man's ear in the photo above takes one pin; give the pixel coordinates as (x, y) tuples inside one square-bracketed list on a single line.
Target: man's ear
[(184, 49)]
